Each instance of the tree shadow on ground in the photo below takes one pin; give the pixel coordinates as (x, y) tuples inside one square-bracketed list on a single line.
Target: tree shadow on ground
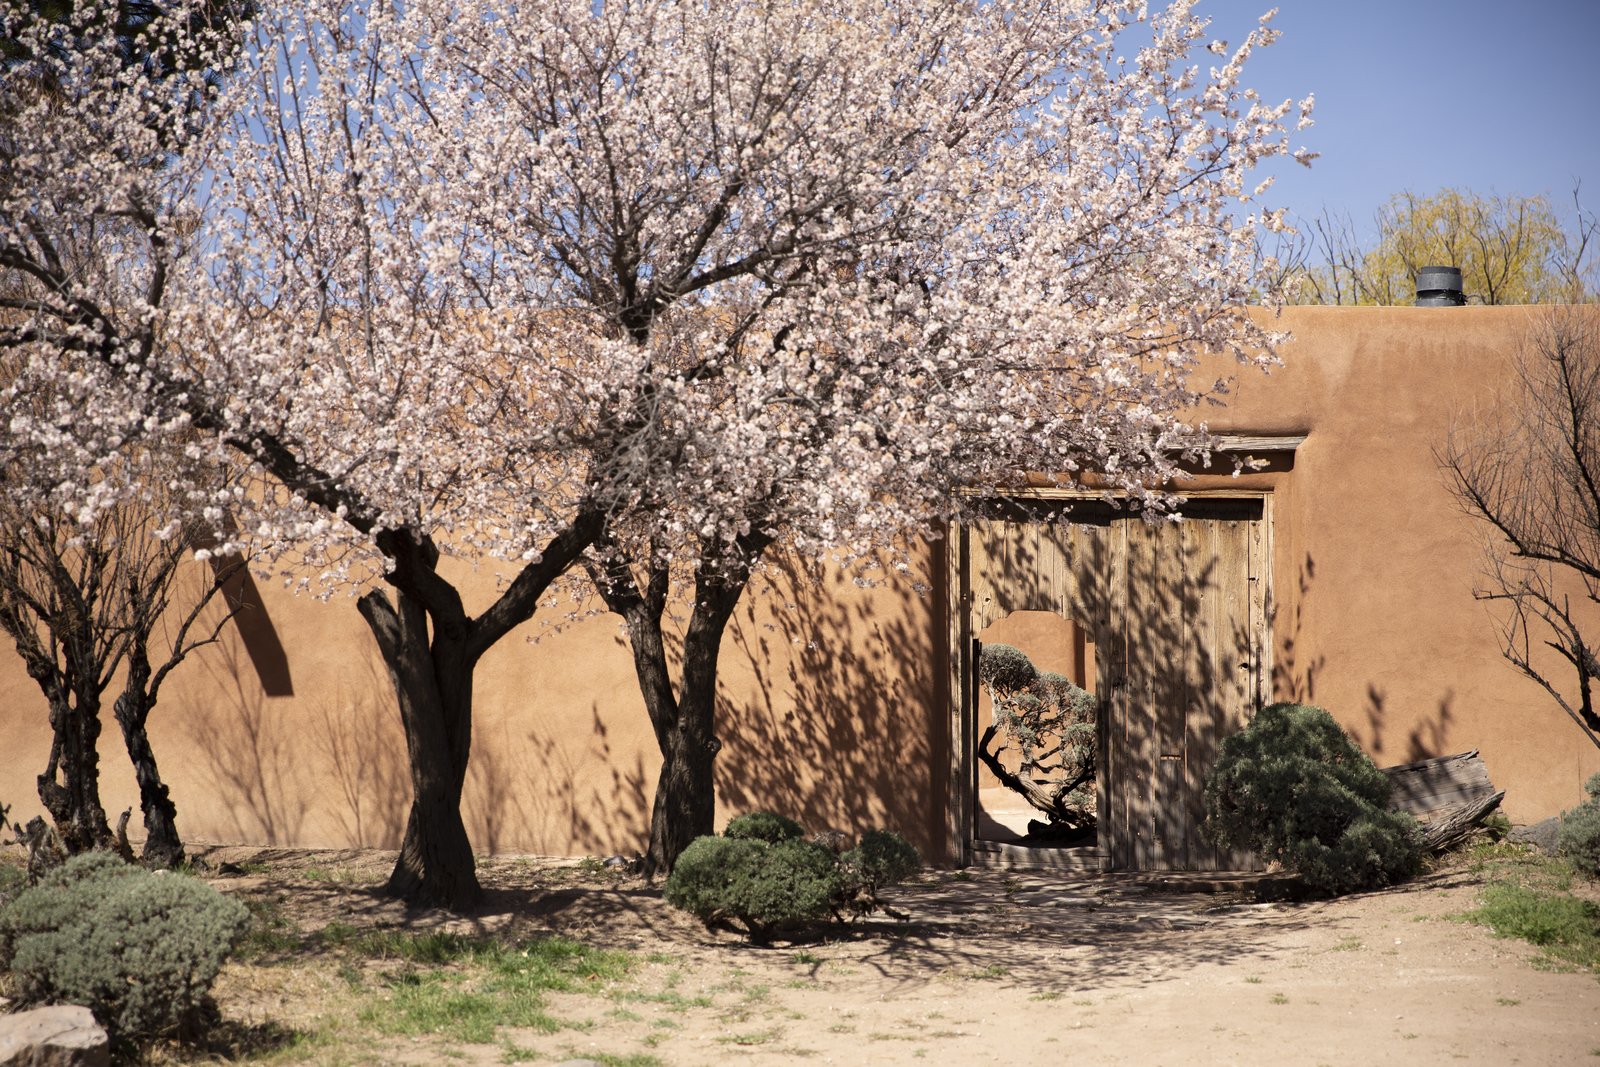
[(1046, 929)]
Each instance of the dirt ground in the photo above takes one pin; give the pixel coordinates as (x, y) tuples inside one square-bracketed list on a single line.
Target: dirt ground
[(999, 967)]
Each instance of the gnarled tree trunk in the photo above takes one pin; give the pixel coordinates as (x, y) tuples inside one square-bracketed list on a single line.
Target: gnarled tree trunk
[(69, 788), (162, 845), (433, 685), (684, 720)]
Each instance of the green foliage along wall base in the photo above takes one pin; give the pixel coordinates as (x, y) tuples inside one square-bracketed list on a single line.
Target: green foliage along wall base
[(1579, 836), (766, 878), (1293, 788)]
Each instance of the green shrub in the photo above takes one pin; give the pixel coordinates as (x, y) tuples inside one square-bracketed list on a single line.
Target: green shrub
[(772, 886), (763, 826), (703, 880), (1293, 788), (1006, 667), (882, 858), (140, 949), (1579, 836)]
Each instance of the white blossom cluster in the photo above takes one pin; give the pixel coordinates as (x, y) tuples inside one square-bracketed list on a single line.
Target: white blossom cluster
[(799, 270)]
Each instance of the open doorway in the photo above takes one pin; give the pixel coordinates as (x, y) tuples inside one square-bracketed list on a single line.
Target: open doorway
[(1037, 727)]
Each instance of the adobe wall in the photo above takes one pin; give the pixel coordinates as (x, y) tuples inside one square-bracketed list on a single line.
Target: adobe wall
[(835, 704), (830, 713)]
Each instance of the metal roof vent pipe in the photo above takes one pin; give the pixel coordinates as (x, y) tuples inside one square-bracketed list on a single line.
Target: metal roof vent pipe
[(1440, 287)]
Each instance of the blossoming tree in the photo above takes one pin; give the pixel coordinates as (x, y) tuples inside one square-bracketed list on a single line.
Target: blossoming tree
[(861, 257), (659, 286)]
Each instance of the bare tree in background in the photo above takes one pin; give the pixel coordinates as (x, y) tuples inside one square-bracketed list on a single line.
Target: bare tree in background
[(1531, 472), (1511, 250)]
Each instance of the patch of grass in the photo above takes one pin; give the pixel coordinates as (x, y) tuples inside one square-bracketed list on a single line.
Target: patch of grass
[(806, 958), (1279, 998), (1565, 927), (1347, 944), (961, 876), (271, 933), (436, 1003), (488, 984), (1253, 979), (669, 999), (1507, 1002), (607, 1059), (753, 1037), (992, 972), (336, 935), (1049, 994)]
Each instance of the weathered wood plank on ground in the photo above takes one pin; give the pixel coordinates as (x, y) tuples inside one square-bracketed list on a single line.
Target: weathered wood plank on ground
[(1449, 795)]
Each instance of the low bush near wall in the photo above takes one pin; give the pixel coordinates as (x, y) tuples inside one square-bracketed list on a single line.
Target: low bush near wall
[(139, 949), (1579, 837), (764, 876), (1293, 788)]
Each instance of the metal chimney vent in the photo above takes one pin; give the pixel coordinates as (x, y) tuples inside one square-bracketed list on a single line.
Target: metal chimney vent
[(1439, 287)]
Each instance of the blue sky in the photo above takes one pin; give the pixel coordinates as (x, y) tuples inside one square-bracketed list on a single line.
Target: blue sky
[(1486, 95)]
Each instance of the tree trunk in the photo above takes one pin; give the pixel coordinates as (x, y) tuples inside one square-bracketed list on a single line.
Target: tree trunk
[(685, 804), (433, 685), (162, 845), (685, 721), (431, 648), (70, 786)]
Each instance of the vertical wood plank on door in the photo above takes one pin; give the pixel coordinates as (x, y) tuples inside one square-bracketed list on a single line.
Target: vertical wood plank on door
[(1167, 661), (1117, 834), (1145, 688), (1260, 563), (1230, 659)]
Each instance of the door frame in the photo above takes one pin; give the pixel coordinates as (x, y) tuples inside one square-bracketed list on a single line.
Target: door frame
[(961, 817)]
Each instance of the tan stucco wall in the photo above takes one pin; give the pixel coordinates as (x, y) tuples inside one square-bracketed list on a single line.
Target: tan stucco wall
[(830, 713), (836, 704)]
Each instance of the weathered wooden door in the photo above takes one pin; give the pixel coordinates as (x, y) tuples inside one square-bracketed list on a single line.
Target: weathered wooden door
[(1184, 671), (1176, 615)]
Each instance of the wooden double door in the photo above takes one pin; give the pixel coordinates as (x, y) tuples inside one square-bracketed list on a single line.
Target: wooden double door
[(1174, 615)]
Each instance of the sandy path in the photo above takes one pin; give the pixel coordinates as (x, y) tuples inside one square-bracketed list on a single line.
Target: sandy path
[(1022, 968)]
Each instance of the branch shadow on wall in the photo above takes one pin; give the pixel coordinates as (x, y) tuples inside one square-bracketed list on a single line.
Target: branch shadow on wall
[(844, 725), (356, 736), (248, 759), (1294, 675), (598, 812), (1428, 737), (336, 768)]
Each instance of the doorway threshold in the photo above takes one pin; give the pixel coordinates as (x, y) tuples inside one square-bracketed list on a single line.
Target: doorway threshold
[(1045, 858)]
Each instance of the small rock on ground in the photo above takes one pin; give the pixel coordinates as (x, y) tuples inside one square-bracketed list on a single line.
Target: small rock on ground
[(59, 1036), (1541, 835)]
